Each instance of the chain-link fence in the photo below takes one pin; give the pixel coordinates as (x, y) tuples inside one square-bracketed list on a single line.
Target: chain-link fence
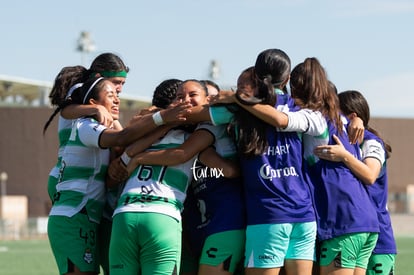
[(27, 229)]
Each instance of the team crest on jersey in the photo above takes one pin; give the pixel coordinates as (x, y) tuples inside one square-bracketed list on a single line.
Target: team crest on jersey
[(88, 257)]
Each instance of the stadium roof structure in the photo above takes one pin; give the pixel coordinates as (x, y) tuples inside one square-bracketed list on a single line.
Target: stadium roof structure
[(19, 91), (23, 91)]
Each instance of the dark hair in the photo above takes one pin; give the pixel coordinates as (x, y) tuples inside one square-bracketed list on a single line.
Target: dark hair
[(333, 88), (89, 90), (248, 76), (208, 82), (69, 76), (66, 78), (248, 131), (271, 70), (201, 83), (165, 92), (80, 95), (309, 83), (354, 102), (107, 62)]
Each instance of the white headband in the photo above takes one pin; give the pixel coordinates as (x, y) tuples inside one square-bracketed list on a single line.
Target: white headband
[(90, 88), (73, 88)]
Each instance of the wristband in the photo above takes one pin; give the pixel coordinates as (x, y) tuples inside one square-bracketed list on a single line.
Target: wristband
[(125, 158), (157, 118)]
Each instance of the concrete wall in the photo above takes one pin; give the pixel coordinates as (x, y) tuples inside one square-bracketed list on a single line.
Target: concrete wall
[(27, 156)]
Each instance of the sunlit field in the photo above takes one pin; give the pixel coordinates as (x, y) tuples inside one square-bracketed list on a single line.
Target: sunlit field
[(34, 257), (27, 257)]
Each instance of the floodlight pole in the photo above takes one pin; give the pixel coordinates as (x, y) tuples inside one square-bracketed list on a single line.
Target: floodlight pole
[(85, 45), (3, 180), (214, 70)]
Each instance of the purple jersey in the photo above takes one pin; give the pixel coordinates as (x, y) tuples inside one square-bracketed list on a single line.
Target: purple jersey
[(341, 201), (379, 195), (276, 191)]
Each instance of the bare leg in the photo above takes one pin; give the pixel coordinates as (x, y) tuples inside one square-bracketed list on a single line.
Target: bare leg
[(360, 271), (262, 271), (332, 270), (298, 267), (78, 272), (212, 270)]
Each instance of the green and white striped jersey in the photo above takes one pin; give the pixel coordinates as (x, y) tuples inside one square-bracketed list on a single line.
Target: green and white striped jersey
[(81, 184), (64, 129), (155, 188)]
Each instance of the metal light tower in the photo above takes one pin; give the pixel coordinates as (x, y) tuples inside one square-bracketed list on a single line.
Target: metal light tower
[(85, 45), (214, 70)]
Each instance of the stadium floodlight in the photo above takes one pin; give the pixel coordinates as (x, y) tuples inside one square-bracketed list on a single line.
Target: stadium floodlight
[(85, 44), (214, 69)]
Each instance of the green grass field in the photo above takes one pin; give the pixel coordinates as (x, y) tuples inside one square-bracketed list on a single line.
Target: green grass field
[(34, 257), (27, 257)]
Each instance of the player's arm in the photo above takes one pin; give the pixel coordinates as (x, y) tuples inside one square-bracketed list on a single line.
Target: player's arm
[(212, 159), (198, 141), (367, 171)]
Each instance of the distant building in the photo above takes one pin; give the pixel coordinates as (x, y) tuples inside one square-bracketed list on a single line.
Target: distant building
[(27, 156), (23, 92)]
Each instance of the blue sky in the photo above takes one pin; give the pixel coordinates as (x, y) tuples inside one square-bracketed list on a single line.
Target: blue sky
[(366, 45)]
